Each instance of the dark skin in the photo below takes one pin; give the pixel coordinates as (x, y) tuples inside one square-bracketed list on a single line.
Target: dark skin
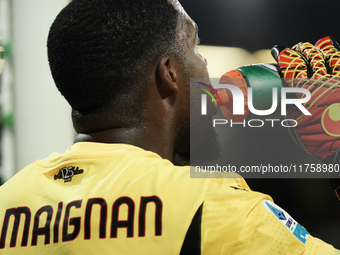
[(165, 125)]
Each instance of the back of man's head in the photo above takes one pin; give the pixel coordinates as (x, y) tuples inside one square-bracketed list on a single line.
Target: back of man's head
[(102, 51)]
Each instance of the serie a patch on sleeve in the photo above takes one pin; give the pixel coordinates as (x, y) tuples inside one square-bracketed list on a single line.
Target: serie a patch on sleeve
[(295, 228)]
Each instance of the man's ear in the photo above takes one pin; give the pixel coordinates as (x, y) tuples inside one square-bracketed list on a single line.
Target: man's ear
[(167, 77)]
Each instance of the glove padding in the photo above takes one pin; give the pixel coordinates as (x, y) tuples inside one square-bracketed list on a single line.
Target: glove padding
[(317, 69)]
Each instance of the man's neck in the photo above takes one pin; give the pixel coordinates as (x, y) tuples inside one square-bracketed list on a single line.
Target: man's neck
[(151, 139)]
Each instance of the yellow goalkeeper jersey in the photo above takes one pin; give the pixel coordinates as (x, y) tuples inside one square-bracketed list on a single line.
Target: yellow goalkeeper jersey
[(119, 199)]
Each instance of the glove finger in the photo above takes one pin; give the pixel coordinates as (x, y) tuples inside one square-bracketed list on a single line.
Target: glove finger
[(276, 51), (330, 50), (327, 45), (314, 57), (294, 67)]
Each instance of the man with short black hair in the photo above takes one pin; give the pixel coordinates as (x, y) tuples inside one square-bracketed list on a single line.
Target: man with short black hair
[(105, 55)]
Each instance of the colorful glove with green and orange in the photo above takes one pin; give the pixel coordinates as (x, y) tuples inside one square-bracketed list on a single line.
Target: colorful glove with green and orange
[(317, 69)]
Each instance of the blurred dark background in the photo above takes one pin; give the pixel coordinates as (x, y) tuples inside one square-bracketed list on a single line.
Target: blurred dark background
[(261, 24)]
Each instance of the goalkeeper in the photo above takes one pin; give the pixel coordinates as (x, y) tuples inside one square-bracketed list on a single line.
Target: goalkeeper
[(125, 66)]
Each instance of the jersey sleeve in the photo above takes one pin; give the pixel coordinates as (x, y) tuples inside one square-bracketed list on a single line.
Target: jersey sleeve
[(237, 220)]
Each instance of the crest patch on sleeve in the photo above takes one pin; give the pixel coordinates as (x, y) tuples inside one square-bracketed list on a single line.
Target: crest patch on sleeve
[(294, 227)]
